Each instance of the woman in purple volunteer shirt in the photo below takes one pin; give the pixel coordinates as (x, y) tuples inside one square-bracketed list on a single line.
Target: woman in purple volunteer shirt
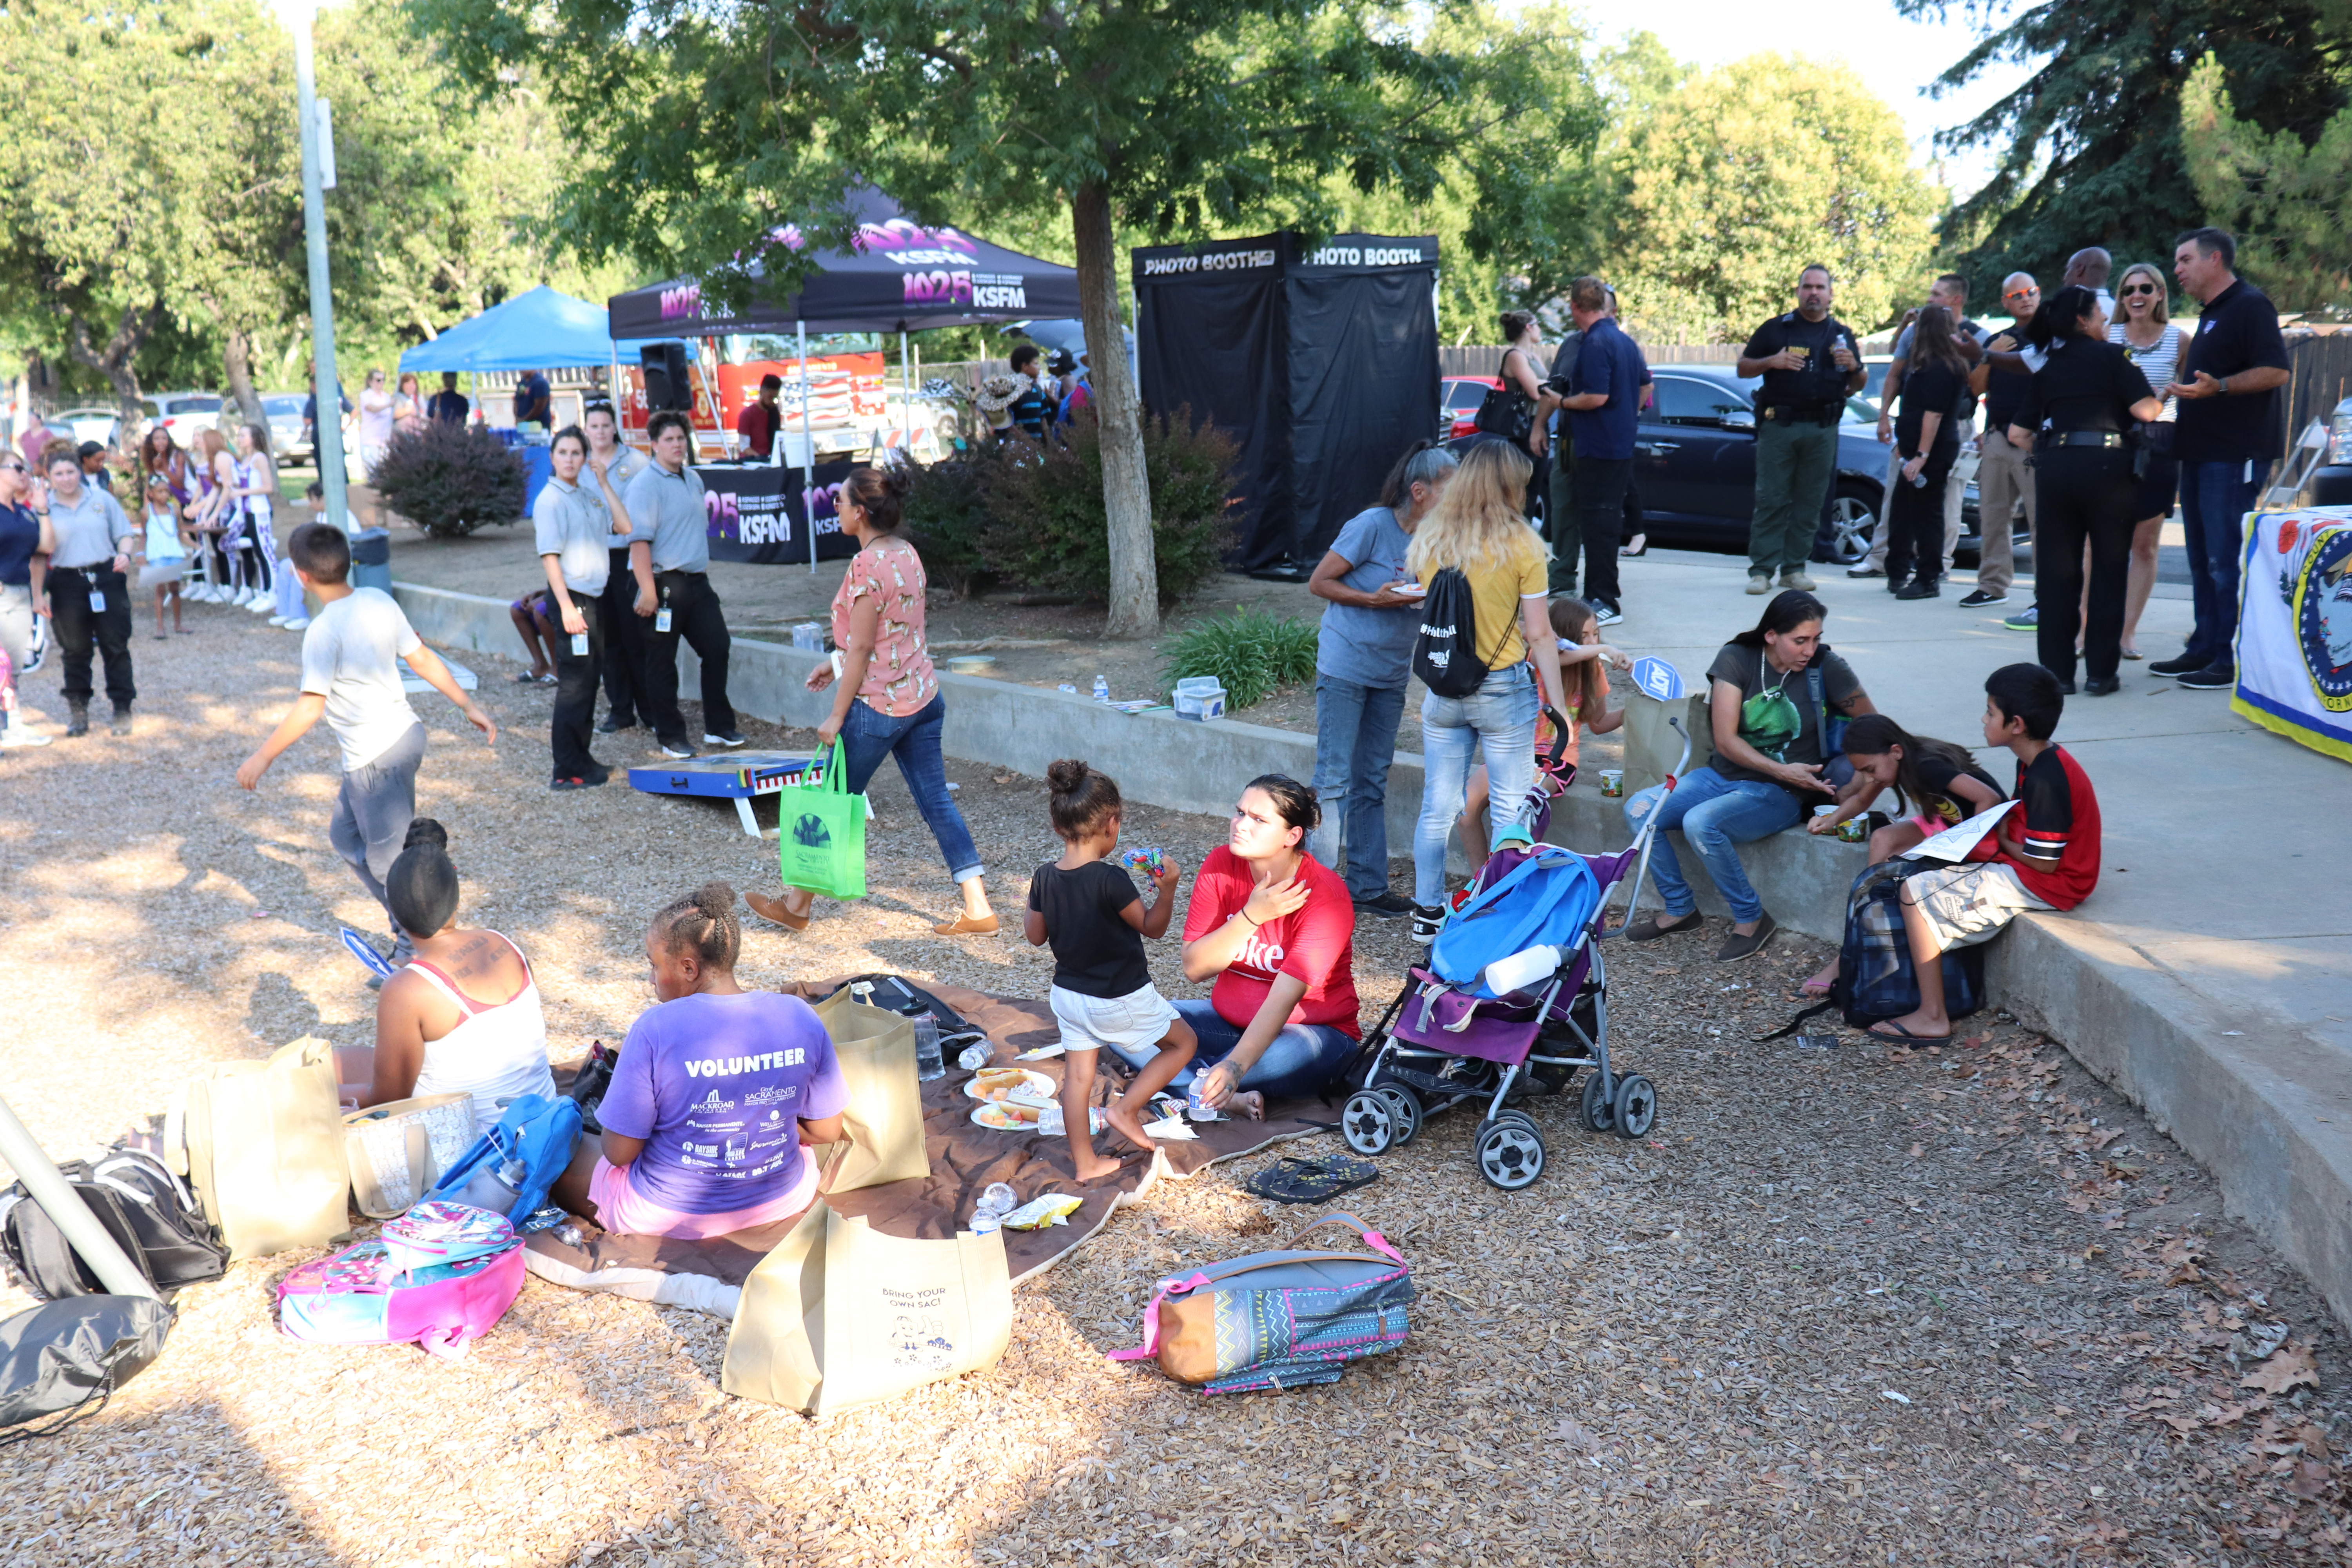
[(715, 1092)]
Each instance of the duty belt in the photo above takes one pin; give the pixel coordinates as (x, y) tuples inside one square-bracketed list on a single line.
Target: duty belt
[(1815, 413), (2087, 439)]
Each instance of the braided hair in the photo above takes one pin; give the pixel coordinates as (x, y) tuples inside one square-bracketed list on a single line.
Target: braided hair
[(703, 923)]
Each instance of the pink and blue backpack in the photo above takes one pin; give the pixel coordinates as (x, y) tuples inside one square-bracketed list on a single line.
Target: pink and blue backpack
[(438, 1276)]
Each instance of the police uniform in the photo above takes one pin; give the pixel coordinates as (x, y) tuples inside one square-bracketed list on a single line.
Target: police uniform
[(1797, 416)]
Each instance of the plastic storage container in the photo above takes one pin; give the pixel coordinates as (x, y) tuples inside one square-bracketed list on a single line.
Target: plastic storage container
[(372, 559), (1199, 696)]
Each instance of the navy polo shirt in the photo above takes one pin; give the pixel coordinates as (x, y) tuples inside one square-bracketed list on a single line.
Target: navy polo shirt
[(2239, 331), (1608, 362)]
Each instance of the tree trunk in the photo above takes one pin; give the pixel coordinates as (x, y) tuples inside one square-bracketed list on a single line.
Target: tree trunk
[(116, 364), (237, 359), (1127, 487)]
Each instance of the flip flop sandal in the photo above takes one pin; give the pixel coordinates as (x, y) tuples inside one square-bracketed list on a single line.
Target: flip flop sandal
[(1903, 1037), (1313, 1179)]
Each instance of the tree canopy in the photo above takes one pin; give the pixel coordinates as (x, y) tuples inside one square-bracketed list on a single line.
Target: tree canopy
[(2288, 203)]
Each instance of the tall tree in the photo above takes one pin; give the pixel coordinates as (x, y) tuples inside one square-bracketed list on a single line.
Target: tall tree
[(2288, 203), (705, 128), (2091, 150), (1740, 176)]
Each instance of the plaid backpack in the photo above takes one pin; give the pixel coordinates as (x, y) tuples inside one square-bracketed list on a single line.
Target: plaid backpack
[(1277, 1320)]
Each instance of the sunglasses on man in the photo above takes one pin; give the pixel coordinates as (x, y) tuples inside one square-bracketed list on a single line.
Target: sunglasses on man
[(2020, 293)]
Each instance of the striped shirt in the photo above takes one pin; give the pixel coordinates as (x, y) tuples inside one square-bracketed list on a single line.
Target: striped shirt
[(2061, 823), (2158, 363)]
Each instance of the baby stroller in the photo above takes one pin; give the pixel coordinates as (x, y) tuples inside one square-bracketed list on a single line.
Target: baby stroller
[(1513, 1003)]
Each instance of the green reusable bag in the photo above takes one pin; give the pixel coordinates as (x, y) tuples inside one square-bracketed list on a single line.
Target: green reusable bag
[(821, 832)]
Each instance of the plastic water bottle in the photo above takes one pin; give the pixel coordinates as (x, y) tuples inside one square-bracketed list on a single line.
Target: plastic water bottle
[(928, 1064), (1522, 969), (977, 1057), (997, 1199), (1102, 689)]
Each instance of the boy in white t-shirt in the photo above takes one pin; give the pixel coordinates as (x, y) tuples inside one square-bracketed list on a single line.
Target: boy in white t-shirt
[(350, 676)]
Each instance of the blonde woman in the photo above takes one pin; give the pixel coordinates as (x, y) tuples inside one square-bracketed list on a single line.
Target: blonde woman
[(2146, 331), (212, 477), (1478, 530), (407, 405)]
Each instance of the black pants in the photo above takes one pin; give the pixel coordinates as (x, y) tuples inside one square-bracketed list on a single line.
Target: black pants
[(575, 692), (78, 627), (1601, 520), (2080, 493), (1537, 501), (1914, 523), (624, 644), (696, 616)]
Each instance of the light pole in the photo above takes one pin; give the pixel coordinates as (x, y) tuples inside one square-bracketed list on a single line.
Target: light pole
[(328, 432)]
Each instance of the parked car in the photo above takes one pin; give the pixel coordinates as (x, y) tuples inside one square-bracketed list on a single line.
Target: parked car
[(1458, 398), (2330, 484), (91, 422), (185, 413), (288, 436)]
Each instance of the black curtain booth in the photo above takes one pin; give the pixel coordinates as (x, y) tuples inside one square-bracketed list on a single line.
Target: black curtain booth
[(1321, 365)]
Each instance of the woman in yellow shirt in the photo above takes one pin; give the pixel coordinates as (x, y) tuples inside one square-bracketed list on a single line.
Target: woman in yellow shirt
[(1479, 531)]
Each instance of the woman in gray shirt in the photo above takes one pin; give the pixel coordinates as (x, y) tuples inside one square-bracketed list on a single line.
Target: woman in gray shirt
[(89, 591)]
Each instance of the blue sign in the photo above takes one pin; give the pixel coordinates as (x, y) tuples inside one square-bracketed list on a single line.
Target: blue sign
[(1660, 680)]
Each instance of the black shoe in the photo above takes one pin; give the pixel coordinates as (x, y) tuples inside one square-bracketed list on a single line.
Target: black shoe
[(1386, 906), (1283, 574), (77, 719), (567, 783), (1605, 612), (722, 738), (597, 774), (1426, 919), (2102, 686), (1918, 591), (1981, 598), (2220, 677), (677, 748), (615, 726), (2184, 665), (2066, 686), (1737, 946), (1864, 570)]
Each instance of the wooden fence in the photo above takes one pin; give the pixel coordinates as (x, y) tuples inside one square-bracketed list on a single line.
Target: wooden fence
[(1483, 359)]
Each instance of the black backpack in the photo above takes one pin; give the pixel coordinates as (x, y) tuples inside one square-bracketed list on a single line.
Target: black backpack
[(63, 1361), (145, 1208), (1445, 655), (1876, 979)]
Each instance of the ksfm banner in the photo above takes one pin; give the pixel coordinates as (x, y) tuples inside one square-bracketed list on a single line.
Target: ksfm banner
[(759, 514)]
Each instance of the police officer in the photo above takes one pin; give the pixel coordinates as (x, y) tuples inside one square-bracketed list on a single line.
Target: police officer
[(1811, 367)]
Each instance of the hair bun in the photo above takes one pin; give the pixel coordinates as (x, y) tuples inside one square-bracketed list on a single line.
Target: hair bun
[(1067, 775), (424, 830), (716, 899)]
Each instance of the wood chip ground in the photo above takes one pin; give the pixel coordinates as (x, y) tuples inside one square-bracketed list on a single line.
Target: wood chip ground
[(1842, 1306)]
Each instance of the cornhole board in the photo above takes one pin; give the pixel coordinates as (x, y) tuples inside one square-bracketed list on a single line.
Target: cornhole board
[(417, 685), (739, 776)]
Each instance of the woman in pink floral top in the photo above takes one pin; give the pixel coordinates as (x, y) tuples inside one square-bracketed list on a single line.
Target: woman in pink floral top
[(888, 701)]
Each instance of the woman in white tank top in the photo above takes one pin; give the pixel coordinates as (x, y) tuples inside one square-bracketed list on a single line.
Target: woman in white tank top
[(464, 1017)]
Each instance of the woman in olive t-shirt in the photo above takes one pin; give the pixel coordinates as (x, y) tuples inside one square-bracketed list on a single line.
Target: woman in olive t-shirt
[(1767, 772)]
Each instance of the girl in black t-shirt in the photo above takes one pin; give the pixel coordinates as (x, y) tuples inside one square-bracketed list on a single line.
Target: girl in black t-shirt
[(1084, 907), (1928, 437)]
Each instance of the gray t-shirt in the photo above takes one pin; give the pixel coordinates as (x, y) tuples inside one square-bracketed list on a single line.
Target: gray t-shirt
[(86, 530), (627, 464), (1789, 732), (350, 656), (1370, 647), (666, 509), (566, 527)]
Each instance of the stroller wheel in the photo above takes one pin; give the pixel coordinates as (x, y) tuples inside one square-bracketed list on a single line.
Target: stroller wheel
[(1369, 1122), (1636, 1110), (1407, 1107), (1599, 1102), (1509, 1151)]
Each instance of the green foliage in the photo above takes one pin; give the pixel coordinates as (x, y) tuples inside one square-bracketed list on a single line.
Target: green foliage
[(1048, 527), (1250, 652), (2091, 141), (2285, 202), (1739, 176), (947, 518), (450, 479)]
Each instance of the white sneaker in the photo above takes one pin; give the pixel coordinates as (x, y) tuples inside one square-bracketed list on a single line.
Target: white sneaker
[(278, 620), (299, 623), (18, 735), (262, 603), (196, 593)]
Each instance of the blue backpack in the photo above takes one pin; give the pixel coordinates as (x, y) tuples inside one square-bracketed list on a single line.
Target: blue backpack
[(1547, 899), (510, 1168)]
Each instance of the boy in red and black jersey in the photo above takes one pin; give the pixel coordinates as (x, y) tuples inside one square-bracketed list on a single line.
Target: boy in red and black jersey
[(2050, 861)]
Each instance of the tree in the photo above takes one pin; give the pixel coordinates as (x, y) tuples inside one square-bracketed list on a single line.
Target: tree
[(724, 123), (2287, 202), (2091, 141), (1740, 176)]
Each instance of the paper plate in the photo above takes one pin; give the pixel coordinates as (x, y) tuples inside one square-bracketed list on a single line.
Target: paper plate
[(998, 1119), (1036, 1088)]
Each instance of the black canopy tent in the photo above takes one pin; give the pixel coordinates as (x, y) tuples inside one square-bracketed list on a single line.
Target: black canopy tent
[(1321, 364), (897, 276)]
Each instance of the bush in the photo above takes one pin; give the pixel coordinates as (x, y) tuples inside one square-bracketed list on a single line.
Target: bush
[(1047, 526), (450, 480), (947, 518), (1250, 653)]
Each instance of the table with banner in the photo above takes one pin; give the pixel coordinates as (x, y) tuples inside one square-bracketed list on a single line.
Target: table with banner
[(760, 513), (2295, 627)]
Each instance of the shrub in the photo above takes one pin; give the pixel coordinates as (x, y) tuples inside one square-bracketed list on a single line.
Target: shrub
[(947, 518), (450, 480), (1251, 652), (1047, 526)]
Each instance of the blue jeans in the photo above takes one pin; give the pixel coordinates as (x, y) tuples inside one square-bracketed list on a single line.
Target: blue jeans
[(1298, 1060), (1355, 741), (1716, 815), (868, 735), (2214, 500), (1500, 718)]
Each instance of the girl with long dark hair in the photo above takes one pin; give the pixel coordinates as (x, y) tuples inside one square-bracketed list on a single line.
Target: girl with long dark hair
[(1927, 437)]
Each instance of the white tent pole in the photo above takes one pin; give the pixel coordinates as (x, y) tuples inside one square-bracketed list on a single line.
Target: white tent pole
[(906, 396), (808, 453), (64, 1206)]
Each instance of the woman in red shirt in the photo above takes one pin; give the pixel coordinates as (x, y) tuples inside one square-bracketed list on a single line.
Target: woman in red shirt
[(1275, 928)]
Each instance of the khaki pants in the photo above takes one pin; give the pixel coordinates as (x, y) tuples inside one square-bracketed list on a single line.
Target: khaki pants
[(2002, 480), (1952, 495)]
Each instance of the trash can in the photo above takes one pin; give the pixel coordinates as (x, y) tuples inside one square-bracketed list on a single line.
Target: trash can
[(372, 559)]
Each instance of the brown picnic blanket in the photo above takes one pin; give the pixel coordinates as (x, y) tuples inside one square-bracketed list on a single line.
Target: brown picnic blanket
[(964, 1157)]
